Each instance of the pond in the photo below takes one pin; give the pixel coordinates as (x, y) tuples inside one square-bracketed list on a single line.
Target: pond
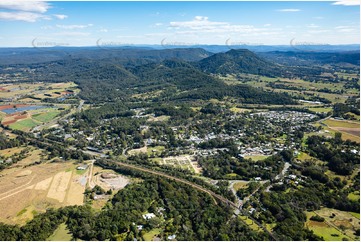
[(20, 109)]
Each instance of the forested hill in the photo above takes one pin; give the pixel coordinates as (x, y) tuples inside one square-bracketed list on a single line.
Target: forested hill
[(238, 61), (10, 56), (309, 58), (195, 84)]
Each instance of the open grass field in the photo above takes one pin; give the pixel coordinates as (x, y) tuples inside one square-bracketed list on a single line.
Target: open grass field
[(157, 150), (239, 185), (330, 132), (34, 189), (355, 196), (341, 123), (342, 225), (162, 118), (321, 109), (250, 223), (46, 116), (239, 110), (256, 157), (61, 234), (350, 130), (20, 90), (11, 151), (24, 125), (149, 236)]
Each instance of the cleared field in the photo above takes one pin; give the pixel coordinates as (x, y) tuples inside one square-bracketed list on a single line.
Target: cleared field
[(256, 157), (59, 186), (239, 185), (162, 118), (45, 117), (157, 150), (320, 109), (137, 151), (239, 110), (11, 151), (37, 188), (21, 90), (342, 124), (149, 236), (62, 233), (24, 125), (337, 225)]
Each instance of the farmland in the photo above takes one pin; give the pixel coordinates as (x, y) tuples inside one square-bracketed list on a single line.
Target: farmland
[(337, 225), (45, 117), (34, 189)]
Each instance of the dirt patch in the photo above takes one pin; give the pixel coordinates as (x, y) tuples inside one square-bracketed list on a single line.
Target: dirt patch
[(43, 185), (59, 186), (137, 151), (24, 173), (345, 223), (317, 224), (75, 194), (353, 131), (112, 181), (5, 123)]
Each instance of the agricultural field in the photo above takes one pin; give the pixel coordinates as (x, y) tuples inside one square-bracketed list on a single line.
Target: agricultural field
[(24, 125), (345, 127), (337, 225), (306, 88), (33, 189), (31, 117), (23, 91), (46, 116), (330, 131)]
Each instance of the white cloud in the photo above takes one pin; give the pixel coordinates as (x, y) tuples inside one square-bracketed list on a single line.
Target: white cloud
[(74, 26), (47, 27), (345, 29), (312, 26), (347, 2), (267, 25), (318, 31), (22, 16), (72, 34), (202, 24), (60, 16), (31, 6), (289, 10), (198, 23)]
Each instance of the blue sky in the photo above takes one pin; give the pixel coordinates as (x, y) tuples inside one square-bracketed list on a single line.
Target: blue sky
[(45, 24)]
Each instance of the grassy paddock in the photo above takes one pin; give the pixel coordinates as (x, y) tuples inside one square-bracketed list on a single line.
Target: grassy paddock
[(24, 125), (62, 233)]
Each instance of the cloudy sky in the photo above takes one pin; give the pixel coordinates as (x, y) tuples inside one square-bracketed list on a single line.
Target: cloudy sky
[(49, 23)]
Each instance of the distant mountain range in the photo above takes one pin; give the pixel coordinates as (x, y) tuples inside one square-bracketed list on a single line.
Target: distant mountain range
[(159, 53)]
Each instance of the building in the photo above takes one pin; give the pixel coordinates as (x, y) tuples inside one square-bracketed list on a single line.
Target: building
[(148, 216)]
